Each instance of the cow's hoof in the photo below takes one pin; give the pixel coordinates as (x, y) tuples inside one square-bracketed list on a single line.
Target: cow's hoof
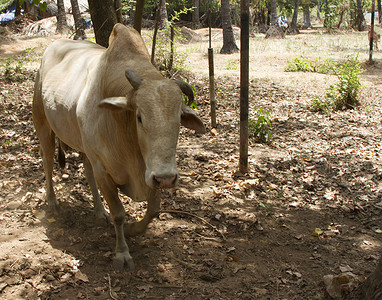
[(53, 208), (102, 217), (121, 259)]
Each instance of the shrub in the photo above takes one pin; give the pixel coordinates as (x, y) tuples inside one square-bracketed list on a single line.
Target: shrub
[(165, 58), (261, 127), (345, 93), (302, 64), (14, 70)]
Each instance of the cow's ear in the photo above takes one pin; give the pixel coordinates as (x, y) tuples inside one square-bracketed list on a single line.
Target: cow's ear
[(115, 104), (191, 121)]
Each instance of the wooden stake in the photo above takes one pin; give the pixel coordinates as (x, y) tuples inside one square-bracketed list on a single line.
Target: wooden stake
[(172, 34), (371, 32), (212, 76), (155, 37), (244, 85)]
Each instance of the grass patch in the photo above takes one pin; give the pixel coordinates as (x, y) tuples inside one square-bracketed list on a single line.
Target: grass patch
[(302, 64)]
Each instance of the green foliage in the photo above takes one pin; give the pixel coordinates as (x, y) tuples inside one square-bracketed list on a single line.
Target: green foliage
[(193, 105), (14, 70), (41, 4), (232, 64), (321, 104), (261, 127), (344, 94), (162, 50), (302, 64), (127, 5)]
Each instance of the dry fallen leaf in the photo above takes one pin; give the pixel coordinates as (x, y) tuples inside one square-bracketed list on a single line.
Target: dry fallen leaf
[(81, 276), (317, 232)]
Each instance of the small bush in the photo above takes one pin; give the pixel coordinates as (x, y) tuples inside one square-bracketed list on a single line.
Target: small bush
[(164, 59), (14, 70), (344, 94), (261, 128), (302, 64)]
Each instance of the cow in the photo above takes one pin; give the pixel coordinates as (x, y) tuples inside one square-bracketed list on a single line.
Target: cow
[(115, 108), (376, 38)]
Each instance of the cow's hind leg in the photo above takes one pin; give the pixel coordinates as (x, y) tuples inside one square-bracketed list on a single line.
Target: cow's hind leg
[(153, 207), (47, 142), (100, 212)]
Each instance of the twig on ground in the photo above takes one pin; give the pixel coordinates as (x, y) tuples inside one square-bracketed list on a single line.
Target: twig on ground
[(110, 290), (197, 217)]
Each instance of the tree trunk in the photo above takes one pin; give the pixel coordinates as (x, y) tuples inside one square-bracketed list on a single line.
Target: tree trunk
[(293, 24), (229, 43), (360, 19), (379, 11), (118, 10), (318, 9), (195, 14), (103, 18), (273, 13), (62, 25), (371, 288), (307, 22), (18, 8), (163, 21), (78, 21), (341, 17), (138, 15)]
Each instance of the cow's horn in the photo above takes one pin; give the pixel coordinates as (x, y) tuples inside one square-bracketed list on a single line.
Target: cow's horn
[(133, 78), (187, 90)]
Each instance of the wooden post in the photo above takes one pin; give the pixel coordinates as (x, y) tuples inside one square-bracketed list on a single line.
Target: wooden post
[(138, 15), (155, 37), (212, 76), (371, 33), (172, 34), (244, 85)]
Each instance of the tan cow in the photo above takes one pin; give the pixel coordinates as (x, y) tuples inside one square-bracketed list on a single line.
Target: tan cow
[(376, 38), (114, 107)]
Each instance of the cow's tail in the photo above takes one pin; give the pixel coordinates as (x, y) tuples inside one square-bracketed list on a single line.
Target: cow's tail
[(61, 153)]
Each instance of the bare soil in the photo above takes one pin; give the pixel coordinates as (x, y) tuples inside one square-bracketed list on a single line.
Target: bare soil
[(310, 206)]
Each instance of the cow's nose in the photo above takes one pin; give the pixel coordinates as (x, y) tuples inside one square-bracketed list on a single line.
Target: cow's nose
[(165, 181)]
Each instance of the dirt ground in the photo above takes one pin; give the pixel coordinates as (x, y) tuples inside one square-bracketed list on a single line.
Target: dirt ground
[(310, 206)]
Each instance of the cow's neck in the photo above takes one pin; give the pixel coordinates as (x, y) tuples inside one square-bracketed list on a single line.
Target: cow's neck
[(117, 59)]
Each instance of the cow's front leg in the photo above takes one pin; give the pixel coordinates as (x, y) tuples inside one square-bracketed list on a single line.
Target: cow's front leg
[(110, 192), (153, 207)]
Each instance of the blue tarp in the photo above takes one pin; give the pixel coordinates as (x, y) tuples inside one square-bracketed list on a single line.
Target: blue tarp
[(9, 14)]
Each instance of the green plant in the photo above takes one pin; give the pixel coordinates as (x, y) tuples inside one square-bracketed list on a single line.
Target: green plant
[(232, 64), (185, 99), (345, 93), (164, 58), (14, 70), (299, 64), (261, 127), (302, 64), (321, 104)]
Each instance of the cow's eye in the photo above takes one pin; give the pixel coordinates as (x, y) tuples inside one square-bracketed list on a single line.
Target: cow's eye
[(139, 119)]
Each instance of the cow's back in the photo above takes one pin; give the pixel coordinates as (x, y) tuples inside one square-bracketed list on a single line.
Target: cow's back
[(68, 70)]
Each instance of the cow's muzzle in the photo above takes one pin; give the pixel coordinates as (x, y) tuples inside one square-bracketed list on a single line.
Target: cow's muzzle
[(165, 182)]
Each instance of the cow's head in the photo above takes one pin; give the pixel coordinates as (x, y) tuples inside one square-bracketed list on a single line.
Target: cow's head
[(159, 111)]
